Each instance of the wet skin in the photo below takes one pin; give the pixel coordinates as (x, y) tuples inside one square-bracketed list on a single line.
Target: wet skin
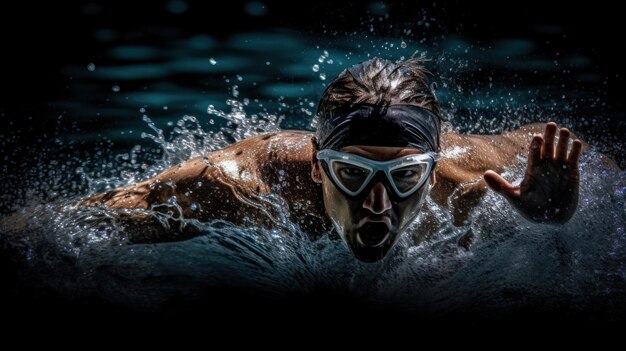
[(234, 183)]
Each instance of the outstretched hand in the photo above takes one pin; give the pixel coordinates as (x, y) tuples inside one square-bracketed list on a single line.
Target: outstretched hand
[(549, 191)]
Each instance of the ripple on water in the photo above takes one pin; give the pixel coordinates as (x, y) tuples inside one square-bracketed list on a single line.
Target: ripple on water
[(510, 257)]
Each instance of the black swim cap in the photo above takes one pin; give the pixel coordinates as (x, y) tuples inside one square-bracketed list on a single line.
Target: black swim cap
[(379, 125)]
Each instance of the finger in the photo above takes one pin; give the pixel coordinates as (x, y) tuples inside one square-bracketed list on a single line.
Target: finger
[(574, 155), (561, 147), (534, 153), (547, 150), (499, 184)]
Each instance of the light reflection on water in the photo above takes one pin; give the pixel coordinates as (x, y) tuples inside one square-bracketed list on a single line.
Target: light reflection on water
[(157, 75)]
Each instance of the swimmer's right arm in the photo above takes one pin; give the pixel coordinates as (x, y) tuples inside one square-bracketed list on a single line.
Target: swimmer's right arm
[(207, 181), (135, 196), (203, 188), (150, 211)]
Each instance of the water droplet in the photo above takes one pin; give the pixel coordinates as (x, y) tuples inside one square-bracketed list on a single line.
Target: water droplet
[(323, 76), (212, 61), (115, 88), (316, 68), (91, 67), (172, 200), (193, 206), (403, 44), (199, 184), (205, 160), (239, 78), (267, 63), (165, 107), (142, 110)]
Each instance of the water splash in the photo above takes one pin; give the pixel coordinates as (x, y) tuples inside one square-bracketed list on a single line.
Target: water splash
[(84, 251), (59, 242)]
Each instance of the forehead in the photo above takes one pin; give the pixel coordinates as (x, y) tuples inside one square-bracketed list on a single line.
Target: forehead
[(380, 152)]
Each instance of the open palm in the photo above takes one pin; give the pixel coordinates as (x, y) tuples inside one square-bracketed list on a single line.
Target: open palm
[(549, 191)]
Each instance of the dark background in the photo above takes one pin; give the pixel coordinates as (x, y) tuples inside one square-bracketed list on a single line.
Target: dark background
[(39, 39), (43, 43)]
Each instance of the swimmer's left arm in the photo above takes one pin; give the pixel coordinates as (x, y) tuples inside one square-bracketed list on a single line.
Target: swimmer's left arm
[(549, 191)]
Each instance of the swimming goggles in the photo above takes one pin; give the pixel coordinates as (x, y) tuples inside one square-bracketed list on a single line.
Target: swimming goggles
[(353, 174)]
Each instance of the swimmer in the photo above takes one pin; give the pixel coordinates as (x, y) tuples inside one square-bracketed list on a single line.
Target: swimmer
[(368, 168)]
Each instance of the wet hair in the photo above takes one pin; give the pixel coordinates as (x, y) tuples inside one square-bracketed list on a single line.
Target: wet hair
[(380, 82), (379, 102)]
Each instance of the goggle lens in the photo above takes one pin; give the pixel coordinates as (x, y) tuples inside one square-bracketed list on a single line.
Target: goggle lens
[(352, 173)]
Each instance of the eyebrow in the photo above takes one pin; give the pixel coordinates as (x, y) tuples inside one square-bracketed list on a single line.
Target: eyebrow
[(386, 156)]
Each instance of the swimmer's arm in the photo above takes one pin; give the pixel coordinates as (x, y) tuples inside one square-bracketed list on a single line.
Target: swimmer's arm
[(150, 211), (460, 175), (207, 180), (549, 191), (141, 195), (204, 188)]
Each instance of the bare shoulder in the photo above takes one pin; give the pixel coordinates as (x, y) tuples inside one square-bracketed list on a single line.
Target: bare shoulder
[(293, 138), (241, 178), (284, 146), (257, 161), (466, 157), (232, 184)]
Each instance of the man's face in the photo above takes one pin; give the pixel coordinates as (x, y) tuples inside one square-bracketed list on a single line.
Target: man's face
[(372, 226)]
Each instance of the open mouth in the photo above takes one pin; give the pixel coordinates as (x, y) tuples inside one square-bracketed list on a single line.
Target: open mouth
[(373, 233)]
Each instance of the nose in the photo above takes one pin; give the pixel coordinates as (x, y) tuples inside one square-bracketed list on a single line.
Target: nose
[(377, 200)]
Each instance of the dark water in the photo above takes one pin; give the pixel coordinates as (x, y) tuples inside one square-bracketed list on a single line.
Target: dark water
[(145, 95)]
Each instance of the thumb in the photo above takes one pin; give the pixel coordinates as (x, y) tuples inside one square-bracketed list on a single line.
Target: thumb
[(499, 184)]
